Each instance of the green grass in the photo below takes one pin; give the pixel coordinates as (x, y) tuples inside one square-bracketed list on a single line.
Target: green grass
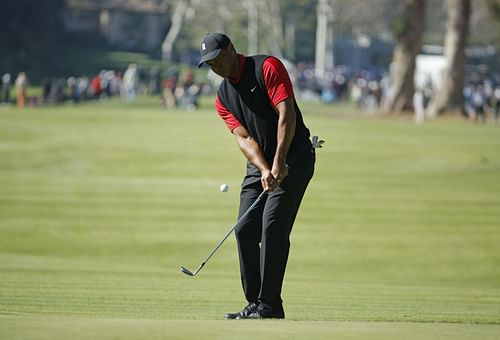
[(88, 61), (78, 61), (100, 204)]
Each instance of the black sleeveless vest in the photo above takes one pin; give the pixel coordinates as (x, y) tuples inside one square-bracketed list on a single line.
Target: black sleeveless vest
[(247, 100)]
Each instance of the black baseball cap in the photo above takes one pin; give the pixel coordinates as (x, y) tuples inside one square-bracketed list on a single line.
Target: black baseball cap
[(211, 46)]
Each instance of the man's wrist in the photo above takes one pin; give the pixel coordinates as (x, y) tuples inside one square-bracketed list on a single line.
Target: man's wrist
[(280, 160)]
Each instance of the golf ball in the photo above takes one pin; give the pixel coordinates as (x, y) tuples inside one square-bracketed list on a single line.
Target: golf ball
[(224, 187)]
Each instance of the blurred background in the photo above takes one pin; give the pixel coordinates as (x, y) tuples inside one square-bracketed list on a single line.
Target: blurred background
[(426, 57)]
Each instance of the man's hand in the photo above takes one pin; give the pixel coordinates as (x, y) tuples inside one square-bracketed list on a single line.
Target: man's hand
[(279, 171), (269, 182), (254, 155)]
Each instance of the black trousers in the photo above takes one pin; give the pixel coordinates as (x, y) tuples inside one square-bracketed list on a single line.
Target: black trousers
[(263, 237)]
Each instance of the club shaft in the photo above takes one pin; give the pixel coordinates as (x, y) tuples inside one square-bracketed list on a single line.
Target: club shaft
[(231, 230)]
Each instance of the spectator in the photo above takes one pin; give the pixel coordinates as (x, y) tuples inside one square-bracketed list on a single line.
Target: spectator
[(427, 93), (46, 88), (83, 87), (496, 105), (105, 84), (115, 82), (56, 94), (419, 105), (478, 103), (5, 95), (168, 96), (187, 92), (154, 84), (130, 82), (95, 86), (21, 85), (74, 92)]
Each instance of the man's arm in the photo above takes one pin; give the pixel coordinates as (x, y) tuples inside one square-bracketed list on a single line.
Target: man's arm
[(280, 93), (254, 154), (285, 133)]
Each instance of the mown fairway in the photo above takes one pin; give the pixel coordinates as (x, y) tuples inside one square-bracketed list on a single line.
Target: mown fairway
[(398, 235)]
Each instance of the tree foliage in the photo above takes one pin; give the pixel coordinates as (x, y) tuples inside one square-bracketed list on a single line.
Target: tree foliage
[(28, 31), (494, 12)]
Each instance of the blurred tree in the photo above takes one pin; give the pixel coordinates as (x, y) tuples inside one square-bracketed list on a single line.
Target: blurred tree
[(494, 6), (409, 31), (183, 37), (253, 26), (324, 37), (449, 96), (360, 17), (494, 13), (480, 31), (181, 7), (243, 21), (29, 31), (482, 23), (272, 19), (268, 15), (299, 19)]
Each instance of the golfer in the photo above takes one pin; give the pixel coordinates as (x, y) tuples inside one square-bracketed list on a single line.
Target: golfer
[(257, 103)]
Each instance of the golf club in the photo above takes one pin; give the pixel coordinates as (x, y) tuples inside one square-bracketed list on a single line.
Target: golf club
[(190, 273), (316, 142)]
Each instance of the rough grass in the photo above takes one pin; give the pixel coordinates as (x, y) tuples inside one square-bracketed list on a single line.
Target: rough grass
[(100, 204)]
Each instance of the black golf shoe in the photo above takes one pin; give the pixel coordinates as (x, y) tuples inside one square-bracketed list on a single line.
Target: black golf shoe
[(262, 312), (249, 309), (262, 315)]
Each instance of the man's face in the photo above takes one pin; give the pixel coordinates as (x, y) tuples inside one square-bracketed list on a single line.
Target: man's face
[(223, 65)]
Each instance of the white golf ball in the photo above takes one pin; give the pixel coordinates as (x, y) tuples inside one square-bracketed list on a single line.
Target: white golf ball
[(224, 187)]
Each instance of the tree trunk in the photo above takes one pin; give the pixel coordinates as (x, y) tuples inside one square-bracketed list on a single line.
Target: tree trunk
[(324, 38), (276, 26), (449, 96), (253, 27), (290, 38), (175, 27), (409, 40), (270, 15)]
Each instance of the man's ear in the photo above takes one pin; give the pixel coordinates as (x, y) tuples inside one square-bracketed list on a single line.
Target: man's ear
[(231, 48)]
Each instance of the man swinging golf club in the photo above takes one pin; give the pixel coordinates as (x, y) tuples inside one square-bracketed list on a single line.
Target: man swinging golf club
[(256, 101)]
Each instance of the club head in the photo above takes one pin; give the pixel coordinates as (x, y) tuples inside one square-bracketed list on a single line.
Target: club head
[(186, 271), (316, 142)]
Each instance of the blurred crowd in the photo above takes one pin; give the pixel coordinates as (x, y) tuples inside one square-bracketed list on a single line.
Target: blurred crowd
[(482, 97), (367, 88), (175, 90)]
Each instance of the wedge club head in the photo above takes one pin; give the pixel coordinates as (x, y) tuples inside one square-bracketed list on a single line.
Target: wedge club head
[(186, 271), (190, 273)]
